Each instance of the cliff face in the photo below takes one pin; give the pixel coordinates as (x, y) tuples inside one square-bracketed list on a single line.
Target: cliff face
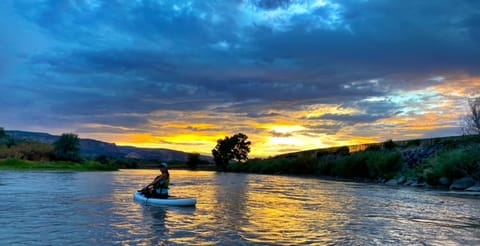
[(94, 148)]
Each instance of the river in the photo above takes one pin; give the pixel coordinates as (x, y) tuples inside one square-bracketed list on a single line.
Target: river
[(97, 208)]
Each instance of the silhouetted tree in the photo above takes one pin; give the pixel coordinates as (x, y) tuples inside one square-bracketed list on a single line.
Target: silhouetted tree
[(235, 147), (389, 144), (5, 139), (193, 159), (67, 147), (471, 123)]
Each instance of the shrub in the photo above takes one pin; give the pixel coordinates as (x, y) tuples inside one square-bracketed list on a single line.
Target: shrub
[(373, 147), (193, 159), (28, 151), (366, 164), (453, 165), (325, 165), (126, 163), (389, 144), (305, 164), (384, 164), (36, 151), (351, 166)]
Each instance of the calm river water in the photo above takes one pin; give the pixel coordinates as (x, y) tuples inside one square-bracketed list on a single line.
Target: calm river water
[(97, 208)]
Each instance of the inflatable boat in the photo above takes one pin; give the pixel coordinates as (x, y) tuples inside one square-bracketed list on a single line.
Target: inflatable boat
[(170, 201)]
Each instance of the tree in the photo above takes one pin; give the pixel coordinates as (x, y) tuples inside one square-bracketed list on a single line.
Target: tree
[(67, 147), (193, 159), (235, 147), (5, 139), (471, 123)]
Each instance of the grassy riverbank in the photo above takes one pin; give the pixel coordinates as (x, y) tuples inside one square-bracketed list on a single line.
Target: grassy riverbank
[(433, 162), (14, 164)]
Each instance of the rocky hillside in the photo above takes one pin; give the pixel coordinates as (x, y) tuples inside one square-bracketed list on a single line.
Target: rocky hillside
[(93, 148)]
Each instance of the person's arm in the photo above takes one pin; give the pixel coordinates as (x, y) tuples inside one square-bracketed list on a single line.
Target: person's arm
[(157, 179)]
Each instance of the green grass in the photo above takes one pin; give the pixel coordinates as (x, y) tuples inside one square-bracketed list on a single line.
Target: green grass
[(15, 164)]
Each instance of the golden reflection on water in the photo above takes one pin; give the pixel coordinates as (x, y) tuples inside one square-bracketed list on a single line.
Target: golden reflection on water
[(276, 211), (239, 209), (284, 213), (97, 208)]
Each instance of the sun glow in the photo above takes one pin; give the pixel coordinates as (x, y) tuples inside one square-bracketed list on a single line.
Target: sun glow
[(284, 129), (435, 108), (294, 141)]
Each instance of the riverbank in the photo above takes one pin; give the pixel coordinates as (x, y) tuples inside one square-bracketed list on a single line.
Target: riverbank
[(444, 163), (23, 165)]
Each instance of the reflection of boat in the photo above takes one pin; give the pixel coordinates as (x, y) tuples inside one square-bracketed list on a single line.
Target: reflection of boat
[(170, 201)]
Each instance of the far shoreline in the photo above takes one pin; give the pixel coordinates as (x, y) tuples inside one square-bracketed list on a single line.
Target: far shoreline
[(23, 165), (90, 166), (361, 181)]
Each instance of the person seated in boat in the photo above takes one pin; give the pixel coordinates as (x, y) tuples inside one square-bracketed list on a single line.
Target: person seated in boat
[(158, 188)]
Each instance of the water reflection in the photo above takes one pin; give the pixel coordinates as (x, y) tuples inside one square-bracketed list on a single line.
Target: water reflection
[(233, 209), (282, 212)]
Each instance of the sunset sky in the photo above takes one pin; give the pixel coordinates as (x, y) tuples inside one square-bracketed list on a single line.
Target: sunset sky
[(291, 75)]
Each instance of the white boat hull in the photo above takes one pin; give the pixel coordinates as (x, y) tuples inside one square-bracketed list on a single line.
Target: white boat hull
[(171, 201)]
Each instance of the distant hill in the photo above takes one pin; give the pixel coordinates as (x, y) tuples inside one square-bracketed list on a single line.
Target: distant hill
[(93, 148)]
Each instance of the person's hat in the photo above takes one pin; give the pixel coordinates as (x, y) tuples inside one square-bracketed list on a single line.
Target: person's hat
[(163, 164)]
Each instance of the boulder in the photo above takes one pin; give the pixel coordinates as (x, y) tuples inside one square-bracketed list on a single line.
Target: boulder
[(401, 180), (419, 185), (476, 188), (411, 181), (462, 184), (392, 182), (444, 181)]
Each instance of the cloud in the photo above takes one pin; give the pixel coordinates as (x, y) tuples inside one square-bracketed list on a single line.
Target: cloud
[(238, 64), (350, 119)]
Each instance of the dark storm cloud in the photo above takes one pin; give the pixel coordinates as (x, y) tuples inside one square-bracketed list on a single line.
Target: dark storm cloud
[(114, 57), (379, 38)]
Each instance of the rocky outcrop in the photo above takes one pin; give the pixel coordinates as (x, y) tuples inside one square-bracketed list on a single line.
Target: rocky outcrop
[(462, 184), (475, 188), (392, 182), (413, 157)]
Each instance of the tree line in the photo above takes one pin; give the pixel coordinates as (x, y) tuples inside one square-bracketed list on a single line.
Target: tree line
[(65, 148)]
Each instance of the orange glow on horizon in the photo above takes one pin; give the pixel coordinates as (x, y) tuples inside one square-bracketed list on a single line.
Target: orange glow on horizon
[(421, 111)]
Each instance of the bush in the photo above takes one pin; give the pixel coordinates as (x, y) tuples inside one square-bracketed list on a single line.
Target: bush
[(366, 164), (28, 151), (351, 166), (193, 159), (126, 163), (389, 145), (453, 164), (385, 164), (325, 165), (57, 165), (305, 164)]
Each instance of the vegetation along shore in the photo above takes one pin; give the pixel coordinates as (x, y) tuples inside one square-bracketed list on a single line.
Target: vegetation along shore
[(63, 154), (446, 163), (452, 163)]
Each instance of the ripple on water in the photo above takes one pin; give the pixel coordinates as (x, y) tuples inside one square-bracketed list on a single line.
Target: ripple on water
[(232, 209)]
